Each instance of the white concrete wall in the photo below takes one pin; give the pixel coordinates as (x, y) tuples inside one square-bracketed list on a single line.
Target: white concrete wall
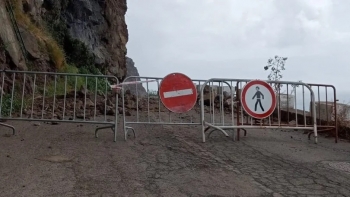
[(326, 110)]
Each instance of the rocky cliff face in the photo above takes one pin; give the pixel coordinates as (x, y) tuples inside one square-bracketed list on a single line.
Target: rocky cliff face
[(100, 24), (132, 71), (56, 33)]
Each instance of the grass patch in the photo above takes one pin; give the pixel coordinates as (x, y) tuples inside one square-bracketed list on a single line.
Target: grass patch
[(95, 82), (66, 84)]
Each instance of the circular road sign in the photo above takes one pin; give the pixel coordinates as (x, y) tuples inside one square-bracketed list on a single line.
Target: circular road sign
[(178, 93), (258, 99)]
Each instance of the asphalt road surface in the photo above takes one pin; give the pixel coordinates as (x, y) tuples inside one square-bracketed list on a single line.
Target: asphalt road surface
[(66, 160)]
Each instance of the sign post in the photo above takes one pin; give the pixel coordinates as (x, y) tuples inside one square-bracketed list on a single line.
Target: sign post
[(258, 99), (178, 93)]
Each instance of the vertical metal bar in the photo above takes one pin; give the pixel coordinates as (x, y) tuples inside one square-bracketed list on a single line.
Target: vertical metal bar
[(241, 107), (95, 100), (137, 101), (327, 104), (232, 111), (238, 103), (106, 97), (319, 106), (202, 112), (272, 116), (288, 103), (335, 113), (149, 118), (279, 105), (198, 91), (314, 117), (304, 106), (124, 109), (2, 93), (160, 118), (222, 104), (64, 97), (23, 90), (43, 107), (75, 96), (54, 98), (296, 106), (85, 92), (33, 97), (12, 93), (116, 114), (212, 104)]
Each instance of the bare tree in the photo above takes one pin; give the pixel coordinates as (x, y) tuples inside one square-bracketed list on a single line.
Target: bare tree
[(276, 66)]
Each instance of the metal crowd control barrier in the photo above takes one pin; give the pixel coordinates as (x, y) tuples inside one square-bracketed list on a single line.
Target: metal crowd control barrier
[(242, 121), (326, 108), (58, 97), (140, 94)]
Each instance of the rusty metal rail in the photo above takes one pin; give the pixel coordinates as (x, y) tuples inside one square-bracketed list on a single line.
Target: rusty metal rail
[(243, 121)]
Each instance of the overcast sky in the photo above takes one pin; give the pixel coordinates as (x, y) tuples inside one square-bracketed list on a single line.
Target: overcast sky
[(234, 39)]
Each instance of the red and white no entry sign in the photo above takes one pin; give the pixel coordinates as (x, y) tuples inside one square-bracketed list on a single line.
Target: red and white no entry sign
[(258, 99), (178, 93)]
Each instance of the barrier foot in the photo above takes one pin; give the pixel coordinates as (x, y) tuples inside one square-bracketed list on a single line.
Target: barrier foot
[(127, 130), (105, 127), (233, 136), (215, 128), (309, 137), (10, 127)]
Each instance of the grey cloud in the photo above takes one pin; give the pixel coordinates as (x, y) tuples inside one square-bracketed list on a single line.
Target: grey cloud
[(205, 39)]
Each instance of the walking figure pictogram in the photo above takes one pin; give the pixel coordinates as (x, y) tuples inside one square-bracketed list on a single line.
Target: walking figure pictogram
[(257, 95)]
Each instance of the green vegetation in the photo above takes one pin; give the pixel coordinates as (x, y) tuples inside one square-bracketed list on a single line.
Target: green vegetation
[(43, 37), (79, 58), (16, 104), (68, 55)]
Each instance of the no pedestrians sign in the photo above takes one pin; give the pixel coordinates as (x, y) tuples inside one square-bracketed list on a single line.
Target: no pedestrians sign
[(258, 99)]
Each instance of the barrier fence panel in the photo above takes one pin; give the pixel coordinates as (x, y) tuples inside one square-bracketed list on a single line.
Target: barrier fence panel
[(142, 105), (58, 97), (300, 118), (328, 111)]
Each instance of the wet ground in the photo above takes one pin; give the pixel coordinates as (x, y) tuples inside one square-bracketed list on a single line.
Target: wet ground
[(66, 160)]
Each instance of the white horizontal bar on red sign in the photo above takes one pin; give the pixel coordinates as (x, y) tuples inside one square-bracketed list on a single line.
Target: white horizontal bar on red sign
[(178, 93), (117, 86)]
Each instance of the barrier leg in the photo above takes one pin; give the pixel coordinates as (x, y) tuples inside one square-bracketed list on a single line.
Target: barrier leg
[(10, 127), (315, 133), (203, 131), (112, 127), (115, 132)]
